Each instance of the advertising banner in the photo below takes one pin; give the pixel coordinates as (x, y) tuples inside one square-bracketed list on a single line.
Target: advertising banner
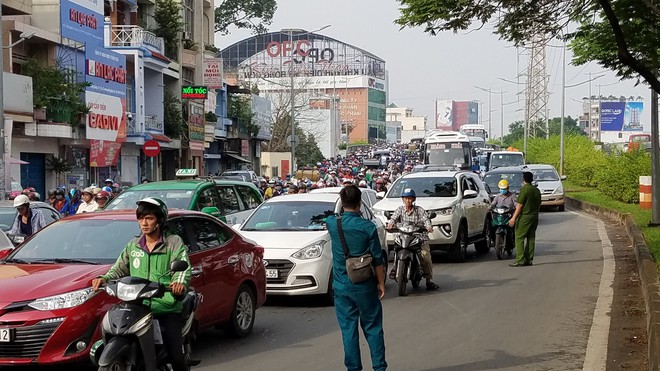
[(212, 73), (82, 20), (612, 115), (262, 116), (632, 119), (103, 153), (196, 124), (106, 96), (444, 115)]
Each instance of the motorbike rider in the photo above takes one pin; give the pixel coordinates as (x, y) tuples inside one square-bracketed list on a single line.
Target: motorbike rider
[(504, 198), (416, 215), (380, 186), (149, 256), (60, 200), (29, 220)]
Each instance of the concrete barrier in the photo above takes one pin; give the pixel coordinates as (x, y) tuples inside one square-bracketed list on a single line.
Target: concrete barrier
[(645, 192), (648, 274)]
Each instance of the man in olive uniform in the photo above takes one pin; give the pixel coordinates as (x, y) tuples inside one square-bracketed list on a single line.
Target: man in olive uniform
[(529, 204)]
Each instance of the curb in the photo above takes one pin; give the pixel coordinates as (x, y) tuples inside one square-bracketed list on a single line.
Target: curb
[(648, 273)]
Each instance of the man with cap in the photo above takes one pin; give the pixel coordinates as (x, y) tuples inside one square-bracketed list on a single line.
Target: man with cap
[(88, 203), (28, 221)]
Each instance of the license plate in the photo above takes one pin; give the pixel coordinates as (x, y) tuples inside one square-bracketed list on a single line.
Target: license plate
[(6, 335), (272, 273)]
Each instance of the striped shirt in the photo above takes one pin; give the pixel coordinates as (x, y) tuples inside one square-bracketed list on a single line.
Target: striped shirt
[(417, 216)]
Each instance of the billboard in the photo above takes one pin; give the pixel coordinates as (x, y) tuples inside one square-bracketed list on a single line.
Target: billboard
[(196, 125), (632, 118), (82, 20), (103, 153), (212, 77), (106, 96), (444, 115), (612, 116)]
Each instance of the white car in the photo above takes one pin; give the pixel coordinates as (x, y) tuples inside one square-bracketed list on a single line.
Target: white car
[(369, 196), (461, 204), (298, 250), (548, 181)]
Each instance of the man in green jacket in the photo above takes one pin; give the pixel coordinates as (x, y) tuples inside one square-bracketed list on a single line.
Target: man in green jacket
[(527, 210), (149, 257)]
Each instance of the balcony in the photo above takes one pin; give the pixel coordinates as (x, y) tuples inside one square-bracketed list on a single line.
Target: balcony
[(152, 123), (133, 36)]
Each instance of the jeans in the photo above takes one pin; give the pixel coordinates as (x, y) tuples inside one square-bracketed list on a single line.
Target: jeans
[(171, 326)]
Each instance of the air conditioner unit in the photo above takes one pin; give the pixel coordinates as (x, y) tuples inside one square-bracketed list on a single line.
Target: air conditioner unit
[(186, 35)]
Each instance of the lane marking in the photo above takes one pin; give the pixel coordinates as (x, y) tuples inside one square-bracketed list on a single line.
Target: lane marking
[(596, 356)]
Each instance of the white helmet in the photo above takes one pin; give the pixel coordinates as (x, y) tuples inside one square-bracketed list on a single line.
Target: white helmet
[(21, 200)]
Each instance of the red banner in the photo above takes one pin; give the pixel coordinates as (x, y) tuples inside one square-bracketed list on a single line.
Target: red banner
[(103, 153)]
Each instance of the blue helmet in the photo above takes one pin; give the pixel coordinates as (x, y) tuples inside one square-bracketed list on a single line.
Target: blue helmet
[(408, 192)]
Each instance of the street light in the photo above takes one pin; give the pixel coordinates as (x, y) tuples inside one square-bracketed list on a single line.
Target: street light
[(293, 122)]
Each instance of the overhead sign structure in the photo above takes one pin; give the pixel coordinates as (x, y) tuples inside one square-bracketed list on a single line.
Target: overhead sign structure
[(151, 148), (194, 92)]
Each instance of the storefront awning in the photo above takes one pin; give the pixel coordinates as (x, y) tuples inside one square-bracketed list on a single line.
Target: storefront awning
[(237, 157), (212, 156), (159, 137)]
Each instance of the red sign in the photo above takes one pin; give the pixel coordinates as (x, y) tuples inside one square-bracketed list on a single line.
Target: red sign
[(151, 148), (103, 153)]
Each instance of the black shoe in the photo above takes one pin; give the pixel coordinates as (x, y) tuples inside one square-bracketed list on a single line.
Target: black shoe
[(516, 264), (528, 264), (393, 274), (431, 286)]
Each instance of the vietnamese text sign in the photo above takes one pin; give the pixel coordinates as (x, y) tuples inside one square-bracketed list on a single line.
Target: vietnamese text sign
[(212, 73), (611, 116), (194, 92), (196, 122), (82, 20)]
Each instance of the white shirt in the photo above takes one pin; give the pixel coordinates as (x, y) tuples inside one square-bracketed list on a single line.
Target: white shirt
[(87, 207)]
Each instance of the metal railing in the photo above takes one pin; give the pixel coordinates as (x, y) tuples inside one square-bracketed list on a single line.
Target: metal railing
[(152, 123), (128, 35)]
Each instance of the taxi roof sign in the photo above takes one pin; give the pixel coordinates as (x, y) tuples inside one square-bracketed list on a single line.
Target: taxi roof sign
[(186, 173)]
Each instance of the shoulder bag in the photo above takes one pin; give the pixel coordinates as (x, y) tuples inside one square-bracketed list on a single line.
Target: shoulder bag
[(359, 267)]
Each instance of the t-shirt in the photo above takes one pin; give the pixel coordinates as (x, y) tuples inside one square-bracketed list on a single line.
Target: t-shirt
[(530, 198)]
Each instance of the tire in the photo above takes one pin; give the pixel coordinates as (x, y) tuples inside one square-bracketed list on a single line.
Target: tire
[(114, 367), (329, 296), (401, 277), (458, 251), (242, 315), (561, 208), (483, 247), (499, 245), (417, 279)]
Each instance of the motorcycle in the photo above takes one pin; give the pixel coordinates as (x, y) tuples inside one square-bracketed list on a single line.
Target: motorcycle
[(130, 337), (407, 256), (503, 233)]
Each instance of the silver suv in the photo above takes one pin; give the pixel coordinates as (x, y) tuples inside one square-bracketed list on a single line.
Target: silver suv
[(460, 202)]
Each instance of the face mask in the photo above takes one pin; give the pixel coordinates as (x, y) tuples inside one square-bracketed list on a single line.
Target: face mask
[(503, 191)]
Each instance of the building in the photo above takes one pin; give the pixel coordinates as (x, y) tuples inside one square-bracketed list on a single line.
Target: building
[(406, 124), (612, 119), (451, 115), (319, 66)]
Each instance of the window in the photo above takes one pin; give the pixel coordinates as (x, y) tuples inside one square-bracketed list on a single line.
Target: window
[(473, 186), (49, 215), (249, 196), (188, 18), (130, 98), (188, 76), (275, 171), (208, 235), (228, 200), (177, 227), (208, 198)]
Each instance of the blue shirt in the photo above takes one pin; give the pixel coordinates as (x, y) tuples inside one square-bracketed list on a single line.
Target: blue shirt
[(361, 236)]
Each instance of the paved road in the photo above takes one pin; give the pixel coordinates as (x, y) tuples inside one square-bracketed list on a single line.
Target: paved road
[(486, 315)]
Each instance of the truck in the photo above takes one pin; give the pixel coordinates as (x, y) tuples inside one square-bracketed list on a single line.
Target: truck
[(377, 159), (637, 141)]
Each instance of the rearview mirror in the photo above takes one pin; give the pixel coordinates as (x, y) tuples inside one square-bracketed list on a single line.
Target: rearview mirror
[(469, 193), (178, 266)]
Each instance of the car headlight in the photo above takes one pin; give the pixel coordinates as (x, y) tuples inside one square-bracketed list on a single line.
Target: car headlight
[(312, 251), (444, 211), (559, 190), (62, 301)]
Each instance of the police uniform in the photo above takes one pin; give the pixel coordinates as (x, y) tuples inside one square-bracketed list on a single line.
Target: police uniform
[(530, 199)]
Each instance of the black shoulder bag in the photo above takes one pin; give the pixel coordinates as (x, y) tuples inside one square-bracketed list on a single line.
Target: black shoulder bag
[(359, 267)]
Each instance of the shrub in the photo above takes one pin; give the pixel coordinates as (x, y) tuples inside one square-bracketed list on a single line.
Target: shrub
[(619, 179)]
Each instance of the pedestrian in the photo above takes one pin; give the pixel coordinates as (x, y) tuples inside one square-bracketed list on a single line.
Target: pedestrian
[(357, 303), (527, 210)]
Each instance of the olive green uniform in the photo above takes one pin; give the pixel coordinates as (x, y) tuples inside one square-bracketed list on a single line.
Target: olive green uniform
[(528, 220)]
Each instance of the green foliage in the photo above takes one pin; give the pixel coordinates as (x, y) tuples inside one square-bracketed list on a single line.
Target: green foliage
[(359, 142), (620, 178), (174, 122), (343, 146), (254, 15), (190, 45), (307, 151), (170, 24), (239, 109), (517, 130), (211, 117), (212, 48)]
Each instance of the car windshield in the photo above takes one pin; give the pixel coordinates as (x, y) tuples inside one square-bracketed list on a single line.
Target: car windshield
[(545, 175), (506, 159), (7, 216), (515, 181), (93, 240), (173, 198), (448, 154), (425, 187), (290, 216)]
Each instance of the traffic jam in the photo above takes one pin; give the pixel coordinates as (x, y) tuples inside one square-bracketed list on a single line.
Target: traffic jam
[(213, 248)]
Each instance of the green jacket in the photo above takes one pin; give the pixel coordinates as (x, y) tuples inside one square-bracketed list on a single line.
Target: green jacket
[(137, 262)]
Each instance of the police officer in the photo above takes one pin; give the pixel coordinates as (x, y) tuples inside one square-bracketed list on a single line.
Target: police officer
[(527, 210)]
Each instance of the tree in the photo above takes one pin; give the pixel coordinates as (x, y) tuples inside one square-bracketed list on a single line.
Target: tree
[(254, 15), (174, 122), (307, 150), (571, 126), (168, 17), (620, 35)]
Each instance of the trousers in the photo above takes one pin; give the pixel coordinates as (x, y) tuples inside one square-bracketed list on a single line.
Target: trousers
[(526, 239), (359, 305), (427, 263), (171, 327)]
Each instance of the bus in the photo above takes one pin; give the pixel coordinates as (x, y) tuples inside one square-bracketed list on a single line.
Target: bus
[(474, 131), (447, 148)]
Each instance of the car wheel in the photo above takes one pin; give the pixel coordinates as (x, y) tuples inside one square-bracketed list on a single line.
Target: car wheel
[(458, 251), (330, 294), (483, 247), (561, 208), (242, 316)]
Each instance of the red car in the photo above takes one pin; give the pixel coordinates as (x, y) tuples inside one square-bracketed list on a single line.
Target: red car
[(49, 314)]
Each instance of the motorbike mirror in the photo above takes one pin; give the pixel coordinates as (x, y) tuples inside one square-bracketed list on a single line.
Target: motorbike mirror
[(178, 266), (432, 215)]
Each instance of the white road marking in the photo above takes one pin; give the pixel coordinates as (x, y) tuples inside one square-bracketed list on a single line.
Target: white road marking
[(596, 357)]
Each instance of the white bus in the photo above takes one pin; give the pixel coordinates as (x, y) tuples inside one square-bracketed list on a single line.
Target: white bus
[(472, 130), (448, 148)]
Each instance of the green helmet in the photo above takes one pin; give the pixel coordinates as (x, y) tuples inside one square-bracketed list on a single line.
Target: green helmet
[(160, 204)]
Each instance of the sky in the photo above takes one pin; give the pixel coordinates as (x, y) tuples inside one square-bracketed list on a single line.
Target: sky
[(423, 68)]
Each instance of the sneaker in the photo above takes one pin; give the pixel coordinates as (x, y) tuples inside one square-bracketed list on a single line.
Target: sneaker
[(430, 286), (516, 264)]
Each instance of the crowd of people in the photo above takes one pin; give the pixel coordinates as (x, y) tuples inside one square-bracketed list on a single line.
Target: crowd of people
[(75, 201)]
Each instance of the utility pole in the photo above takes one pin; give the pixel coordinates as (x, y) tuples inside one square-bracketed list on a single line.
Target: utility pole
[(655, 157), (490, 110), (3, 157), (563, 106), (293, 121), (502, 118)]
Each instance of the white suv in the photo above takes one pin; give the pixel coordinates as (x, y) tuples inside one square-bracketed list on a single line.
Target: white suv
[(460, 202)]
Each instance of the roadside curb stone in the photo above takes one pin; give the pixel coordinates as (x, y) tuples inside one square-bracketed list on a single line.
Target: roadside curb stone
[(648, 273)]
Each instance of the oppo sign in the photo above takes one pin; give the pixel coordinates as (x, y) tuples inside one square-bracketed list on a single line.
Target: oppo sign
[(302, 48)]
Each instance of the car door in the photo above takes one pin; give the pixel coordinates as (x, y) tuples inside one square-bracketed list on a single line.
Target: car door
[(480, 205), (380, 227), (230, 203), (50, 215), (468, 205), (218, 258), (250, 200)]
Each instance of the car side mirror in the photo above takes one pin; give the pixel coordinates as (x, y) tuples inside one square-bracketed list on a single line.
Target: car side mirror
[(211, 210), (469, 193), (178, 266), (380, 195), (16, 239), (563, 177)]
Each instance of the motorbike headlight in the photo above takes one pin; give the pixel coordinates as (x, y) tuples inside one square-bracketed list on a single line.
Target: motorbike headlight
[(62, 301), (312, 251), (128, 292), (501, 210), (559, 190), (444, 211)]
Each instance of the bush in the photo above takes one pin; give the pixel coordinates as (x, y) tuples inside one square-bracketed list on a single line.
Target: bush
[(619, 180)]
